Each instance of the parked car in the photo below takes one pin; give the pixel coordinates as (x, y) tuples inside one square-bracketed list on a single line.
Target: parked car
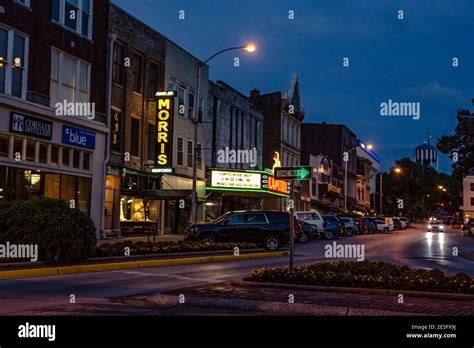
[(405, 220), (397, 224), (369, 224), (311, 217), (266, 227), (350, 225), (310, 232), (334, 218), (333, 227), (436, 226), (383, 226)]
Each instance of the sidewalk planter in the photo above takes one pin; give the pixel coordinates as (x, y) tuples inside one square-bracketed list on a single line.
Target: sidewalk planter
[(367, 274)]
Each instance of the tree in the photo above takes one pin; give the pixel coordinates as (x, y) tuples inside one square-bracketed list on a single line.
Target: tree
[(460, 144)]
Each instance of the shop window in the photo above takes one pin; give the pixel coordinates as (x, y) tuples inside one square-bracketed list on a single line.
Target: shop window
[(68, 188), (43, 153), (55, 154), (86, 161), (4, 145), (52, 185), (84, 191), (76, 159), (137, 209), (18, 148), (30, 150), (66, 157)]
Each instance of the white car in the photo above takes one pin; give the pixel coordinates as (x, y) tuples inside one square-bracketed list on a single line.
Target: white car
[(383, 226), (311, 217), (436, 226)]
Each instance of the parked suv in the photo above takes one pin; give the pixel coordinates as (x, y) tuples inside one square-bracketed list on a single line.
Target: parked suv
[(270, 228), (333, 227), (311, 217)]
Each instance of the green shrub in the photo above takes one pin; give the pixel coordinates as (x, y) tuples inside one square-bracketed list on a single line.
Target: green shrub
[(367, 274), (145, 248), (61, 233)]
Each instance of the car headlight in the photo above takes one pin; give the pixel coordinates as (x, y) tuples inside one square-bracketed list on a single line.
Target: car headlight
[(441, 227), (429, 226)]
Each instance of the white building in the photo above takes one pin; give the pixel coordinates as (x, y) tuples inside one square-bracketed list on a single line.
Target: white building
[(468, 195)]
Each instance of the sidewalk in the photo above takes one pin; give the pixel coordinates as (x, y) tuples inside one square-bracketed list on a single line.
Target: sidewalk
[(318, 302), (144, 238)]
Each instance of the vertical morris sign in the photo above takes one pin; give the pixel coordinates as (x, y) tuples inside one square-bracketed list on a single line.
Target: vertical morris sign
[(164, 129)]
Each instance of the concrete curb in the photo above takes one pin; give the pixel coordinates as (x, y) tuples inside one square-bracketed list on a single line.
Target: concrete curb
[(368, 291), (271, 308), (114, 266)]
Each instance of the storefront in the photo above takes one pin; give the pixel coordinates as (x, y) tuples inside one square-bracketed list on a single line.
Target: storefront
[(229, 190), (45, 156)]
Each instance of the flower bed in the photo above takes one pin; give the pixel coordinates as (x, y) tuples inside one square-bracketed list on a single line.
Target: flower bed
[(144, 248), (367, 274)]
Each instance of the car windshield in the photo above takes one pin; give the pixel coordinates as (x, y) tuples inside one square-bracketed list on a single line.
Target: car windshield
[(308, 216)]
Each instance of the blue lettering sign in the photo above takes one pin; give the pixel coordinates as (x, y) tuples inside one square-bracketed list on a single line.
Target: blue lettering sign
[(78, 137)]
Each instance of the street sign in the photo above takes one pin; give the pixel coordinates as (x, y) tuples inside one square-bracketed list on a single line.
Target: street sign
[(293, 173)]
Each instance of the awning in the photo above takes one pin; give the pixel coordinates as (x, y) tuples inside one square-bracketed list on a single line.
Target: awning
[(246, 193), (158, 194)]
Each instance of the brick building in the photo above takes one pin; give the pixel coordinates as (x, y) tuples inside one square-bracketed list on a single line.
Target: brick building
[(138, 56), (53, 63)]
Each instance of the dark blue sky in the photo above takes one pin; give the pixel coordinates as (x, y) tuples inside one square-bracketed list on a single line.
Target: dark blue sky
[(406, 60)]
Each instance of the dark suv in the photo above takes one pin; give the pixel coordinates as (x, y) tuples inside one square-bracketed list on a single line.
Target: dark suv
[(270, 228)]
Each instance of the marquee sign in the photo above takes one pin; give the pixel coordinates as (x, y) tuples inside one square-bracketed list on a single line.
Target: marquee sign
[(270, 183), (164, 129), (239, 180)]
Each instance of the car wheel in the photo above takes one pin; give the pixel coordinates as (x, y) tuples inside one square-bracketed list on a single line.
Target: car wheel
[(328, 235), (304, 238), (271, 243), (349, 232), (208, 239)]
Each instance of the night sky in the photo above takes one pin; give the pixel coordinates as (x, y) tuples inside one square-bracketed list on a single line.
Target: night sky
[(407, 60)]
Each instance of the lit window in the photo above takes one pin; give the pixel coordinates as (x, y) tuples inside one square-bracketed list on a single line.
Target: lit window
[(13, 63), (73, 14), (71, 82)]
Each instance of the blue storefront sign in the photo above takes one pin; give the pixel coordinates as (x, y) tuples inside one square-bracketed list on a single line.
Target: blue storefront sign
[(78, 137)]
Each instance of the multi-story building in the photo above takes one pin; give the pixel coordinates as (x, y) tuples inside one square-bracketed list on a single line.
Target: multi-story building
[(53, 114), (468, 196), (236, 143), (137, 73), (333, 141), (283, 116), (368, 164), (181, 72)]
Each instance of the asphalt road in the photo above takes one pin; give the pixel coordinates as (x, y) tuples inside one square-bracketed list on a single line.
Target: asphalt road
[(97, 293)]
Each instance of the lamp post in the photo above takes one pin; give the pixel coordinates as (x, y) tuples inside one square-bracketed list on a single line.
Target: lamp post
[(248, 48)]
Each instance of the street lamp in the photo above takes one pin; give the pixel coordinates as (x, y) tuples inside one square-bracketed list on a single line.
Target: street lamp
[(370, 147), (249, 48), (397, 170)]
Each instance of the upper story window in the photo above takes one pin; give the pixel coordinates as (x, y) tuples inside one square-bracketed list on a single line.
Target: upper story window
[(118, 70), (13, 63), (24, 2), (70, 78), (153, 78), (137, 73), (74, 14)]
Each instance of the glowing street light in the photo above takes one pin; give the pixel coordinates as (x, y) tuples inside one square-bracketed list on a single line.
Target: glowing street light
[(250, 48)]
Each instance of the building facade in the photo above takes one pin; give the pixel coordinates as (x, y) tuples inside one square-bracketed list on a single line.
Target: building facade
[(333, 141), (368, 165), (283, 116), (53, 111), (181, 72), (468, 196), (137, 72)]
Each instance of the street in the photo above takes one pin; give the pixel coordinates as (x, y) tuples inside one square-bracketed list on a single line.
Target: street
[(107, 292)]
